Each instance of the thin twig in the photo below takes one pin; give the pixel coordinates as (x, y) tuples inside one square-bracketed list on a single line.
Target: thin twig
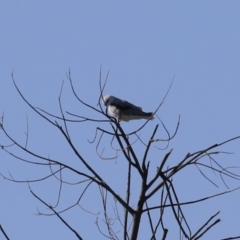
[(4, 233), (52, 209)]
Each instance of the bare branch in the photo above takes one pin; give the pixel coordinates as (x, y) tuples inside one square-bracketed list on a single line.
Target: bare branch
[(52, 209), (147, 149), (204, 225), (4, 233), (157, 189), (193, 201)]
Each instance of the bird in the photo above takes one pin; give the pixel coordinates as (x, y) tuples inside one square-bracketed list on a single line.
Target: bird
[(123, 110)]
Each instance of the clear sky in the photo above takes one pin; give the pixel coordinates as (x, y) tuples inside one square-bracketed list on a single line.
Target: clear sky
[(143, 44)]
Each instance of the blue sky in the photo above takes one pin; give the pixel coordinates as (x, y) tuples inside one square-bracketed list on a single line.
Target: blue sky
[(143, 45)]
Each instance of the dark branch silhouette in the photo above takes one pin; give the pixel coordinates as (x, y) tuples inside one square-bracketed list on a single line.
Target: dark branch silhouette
[(157, 190)]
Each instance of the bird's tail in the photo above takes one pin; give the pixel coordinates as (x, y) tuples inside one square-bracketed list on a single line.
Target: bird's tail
[(149, 115)]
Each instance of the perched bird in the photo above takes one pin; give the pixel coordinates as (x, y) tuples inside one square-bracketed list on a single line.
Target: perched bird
[(124, 110)]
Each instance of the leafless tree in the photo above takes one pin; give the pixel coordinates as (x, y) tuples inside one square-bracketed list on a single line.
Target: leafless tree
[(154, 191)]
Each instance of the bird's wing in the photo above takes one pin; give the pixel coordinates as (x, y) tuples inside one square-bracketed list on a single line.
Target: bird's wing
[(124, 105)]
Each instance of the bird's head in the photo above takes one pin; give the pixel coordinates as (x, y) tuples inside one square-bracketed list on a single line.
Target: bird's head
[(107, 100)]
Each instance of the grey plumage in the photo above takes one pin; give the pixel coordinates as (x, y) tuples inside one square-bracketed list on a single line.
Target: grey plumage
[(124, 110)]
